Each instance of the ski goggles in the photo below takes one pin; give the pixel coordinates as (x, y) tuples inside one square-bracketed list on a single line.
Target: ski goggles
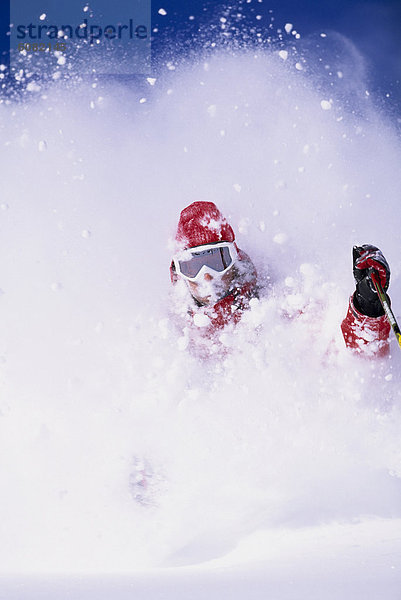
[(219, 257)]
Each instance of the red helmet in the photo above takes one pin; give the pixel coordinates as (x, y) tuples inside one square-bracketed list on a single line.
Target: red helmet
[(202, 223)]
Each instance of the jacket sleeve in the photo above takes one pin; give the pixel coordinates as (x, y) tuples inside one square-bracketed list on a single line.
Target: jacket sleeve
[(365, 335)]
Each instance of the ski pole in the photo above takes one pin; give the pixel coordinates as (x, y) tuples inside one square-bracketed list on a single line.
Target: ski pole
[(386, 307)]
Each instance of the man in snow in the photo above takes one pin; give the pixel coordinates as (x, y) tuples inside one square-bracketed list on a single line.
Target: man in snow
[(221, 280)]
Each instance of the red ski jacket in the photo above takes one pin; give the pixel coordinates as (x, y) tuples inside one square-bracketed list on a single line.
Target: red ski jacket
[(365, 335)]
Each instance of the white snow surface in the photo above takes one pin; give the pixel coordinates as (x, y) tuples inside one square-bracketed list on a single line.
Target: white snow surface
[(277, 462)]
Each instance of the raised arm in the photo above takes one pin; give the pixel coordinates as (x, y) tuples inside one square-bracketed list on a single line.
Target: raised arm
[(365, 327)]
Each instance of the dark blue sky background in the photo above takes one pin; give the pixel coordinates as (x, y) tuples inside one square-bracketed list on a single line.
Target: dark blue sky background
[(374, 26)]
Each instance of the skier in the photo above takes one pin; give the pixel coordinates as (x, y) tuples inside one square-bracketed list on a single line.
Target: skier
[(221, 280)]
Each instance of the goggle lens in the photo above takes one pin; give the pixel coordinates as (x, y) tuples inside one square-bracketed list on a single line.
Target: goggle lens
[(218, 259)]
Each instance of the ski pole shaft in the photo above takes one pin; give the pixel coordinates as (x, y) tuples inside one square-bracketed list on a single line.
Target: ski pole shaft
[(386, 307)]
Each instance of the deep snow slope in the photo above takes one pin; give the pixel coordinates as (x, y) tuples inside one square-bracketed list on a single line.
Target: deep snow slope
[(277, 462)]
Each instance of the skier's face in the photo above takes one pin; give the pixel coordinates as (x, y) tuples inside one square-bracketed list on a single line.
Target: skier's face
[(211, 288)]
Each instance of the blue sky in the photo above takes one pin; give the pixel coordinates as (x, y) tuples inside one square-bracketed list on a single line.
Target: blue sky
[(373, 26)]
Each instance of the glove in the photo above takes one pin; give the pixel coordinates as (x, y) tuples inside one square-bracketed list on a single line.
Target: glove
[(367, 260)]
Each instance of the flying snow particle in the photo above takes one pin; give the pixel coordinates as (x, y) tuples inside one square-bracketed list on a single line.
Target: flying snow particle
[(212, 110), (86, 234), (325, 104), (182, 343), (162, 12), (142, 100), (295, 302), (288, 27), (201, 320), (283, 54), (151, 80), (42, 17), (56, 287), (307, 270), (243, 226), (99, 327), (280, 238), (24, 140), (299, 67), (237, 187), (33, 87), (42, 146)]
